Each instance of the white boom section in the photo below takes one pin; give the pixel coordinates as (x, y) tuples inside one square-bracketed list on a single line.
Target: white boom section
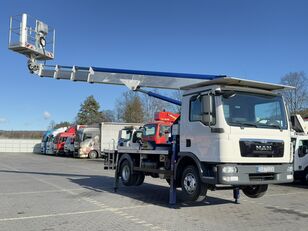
[(163, 80), (133, 78)]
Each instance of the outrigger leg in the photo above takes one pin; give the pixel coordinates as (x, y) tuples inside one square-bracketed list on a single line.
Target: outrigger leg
[(116, 176), (236, 195)]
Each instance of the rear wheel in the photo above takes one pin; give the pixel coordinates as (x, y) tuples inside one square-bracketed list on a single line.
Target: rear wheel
[(192, 187), (255, 191), (127, 176), (92, 155), (139, 179)]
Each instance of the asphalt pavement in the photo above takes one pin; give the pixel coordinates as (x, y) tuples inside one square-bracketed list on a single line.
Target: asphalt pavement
[(47, 193)]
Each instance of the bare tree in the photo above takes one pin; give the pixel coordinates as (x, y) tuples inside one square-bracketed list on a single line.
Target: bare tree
[(152, 105), (296, 99), (129, 108)]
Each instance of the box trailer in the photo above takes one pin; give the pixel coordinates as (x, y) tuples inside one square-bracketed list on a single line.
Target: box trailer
[(92, 142)]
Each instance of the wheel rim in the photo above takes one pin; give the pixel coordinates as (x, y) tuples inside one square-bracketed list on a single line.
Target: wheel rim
[(125, 173), (190, 183), (92, 155), (306, 177)]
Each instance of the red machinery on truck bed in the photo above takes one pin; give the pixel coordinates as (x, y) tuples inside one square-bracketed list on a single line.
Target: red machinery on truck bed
[(158, 131)]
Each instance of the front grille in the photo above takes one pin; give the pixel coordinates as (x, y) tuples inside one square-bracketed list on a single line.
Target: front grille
[(261, 176), (261, 148)]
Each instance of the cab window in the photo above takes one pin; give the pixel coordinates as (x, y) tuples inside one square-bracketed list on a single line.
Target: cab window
[(195, 111), (149, 130)]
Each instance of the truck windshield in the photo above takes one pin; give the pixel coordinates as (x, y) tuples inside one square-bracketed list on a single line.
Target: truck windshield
[(149, 130), (126, 134), (254, 110)]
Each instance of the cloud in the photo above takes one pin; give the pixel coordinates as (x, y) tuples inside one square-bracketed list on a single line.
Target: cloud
[(3, 120), (46, 115)]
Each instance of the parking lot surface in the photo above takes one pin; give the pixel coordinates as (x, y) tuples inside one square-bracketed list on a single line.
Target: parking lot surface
[(39, 192)]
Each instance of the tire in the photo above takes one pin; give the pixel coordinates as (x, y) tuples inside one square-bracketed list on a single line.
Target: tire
[(255, 191), (92, 155), (192, 187), (139, 179), (126, 172), (304, 179)]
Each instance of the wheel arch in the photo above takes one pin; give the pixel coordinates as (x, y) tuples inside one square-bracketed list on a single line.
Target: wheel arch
[(185, 159), (125, 157)]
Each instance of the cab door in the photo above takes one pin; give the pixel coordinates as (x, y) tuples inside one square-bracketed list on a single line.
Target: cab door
[(301, 154)]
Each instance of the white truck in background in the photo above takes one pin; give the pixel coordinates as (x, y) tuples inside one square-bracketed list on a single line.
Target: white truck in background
[(299, 140), (51, 137), (91, 142)]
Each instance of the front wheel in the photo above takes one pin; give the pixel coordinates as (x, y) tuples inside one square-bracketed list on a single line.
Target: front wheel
[(255, 191), (92, 155), (305, 177), (192, 187)]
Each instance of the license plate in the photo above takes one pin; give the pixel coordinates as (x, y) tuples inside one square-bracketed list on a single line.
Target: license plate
[(265, 169)]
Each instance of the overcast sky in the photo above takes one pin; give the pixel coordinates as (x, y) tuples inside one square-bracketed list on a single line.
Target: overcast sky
[(259, 40)]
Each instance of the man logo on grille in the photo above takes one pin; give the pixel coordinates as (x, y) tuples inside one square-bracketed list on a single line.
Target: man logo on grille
[(263, 148)]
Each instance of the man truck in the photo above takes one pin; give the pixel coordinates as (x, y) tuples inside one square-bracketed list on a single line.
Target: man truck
[(231, 132)]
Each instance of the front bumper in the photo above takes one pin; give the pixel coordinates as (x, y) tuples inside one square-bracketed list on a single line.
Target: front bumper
[(81, 154), (255, 174)]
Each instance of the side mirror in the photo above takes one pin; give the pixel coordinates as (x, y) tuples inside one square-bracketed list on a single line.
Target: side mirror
[(206, 109)]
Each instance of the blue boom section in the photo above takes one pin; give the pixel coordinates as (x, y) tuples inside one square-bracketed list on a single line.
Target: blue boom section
[(157, 73), (158, 96)]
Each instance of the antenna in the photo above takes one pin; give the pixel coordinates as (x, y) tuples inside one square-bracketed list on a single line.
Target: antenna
[(32, 38)]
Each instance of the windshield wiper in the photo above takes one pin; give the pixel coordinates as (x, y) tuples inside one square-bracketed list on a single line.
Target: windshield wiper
[(273, 126), (245, 124)]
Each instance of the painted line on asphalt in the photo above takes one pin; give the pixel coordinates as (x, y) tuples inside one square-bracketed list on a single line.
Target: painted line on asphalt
[(53, 215), (40, 192)]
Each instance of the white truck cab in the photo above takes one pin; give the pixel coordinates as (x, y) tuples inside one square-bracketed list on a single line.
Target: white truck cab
[(238, 131), (299, 140)]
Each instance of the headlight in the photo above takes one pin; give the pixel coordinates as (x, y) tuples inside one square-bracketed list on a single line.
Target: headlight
[(229, 169), (290, 168), (289, 177)]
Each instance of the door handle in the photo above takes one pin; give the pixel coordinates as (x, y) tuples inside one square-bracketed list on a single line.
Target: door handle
[(188, 143)]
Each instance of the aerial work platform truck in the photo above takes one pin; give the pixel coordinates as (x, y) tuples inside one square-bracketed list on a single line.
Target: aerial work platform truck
[(231, 134)]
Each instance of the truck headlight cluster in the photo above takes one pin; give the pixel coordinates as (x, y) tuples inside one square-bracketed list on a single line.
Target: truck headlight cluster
[(229, 169), (289, 177)]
